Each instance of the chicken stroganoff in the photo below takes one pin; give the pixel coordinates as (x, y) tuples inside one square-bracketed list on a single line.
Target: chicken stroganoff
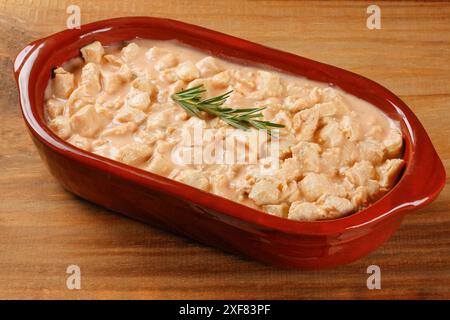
[(336, 154)]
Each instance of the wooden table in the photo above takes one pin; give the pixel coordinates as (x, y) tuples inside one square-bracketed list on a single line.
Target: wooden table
[(44, 229)]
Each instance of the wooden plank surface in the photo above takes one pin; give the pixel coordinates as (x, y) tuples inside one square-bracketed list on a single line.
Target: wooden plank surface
[(43, 229)]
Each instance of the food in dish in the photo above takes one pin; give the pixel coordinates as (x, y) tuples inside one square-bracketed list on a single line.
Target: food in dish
[(336, 154)]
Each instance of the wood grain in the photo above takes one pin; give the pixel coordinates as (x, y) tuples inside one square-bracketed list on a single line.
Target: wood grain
[(43, 229)]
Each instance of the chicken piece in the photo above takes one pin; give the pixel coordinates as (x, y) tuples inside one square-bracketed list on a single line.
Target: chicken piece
[(90, 78), (360, 173), (290, 170), (278, 210), (390, 171), (145, 85), (300, 98), (289, 191), (93, 52), (244, 83), (194, 122), (269, 84), (265, 191), (305, 211), (112, 82), (160, 165), (166, 61), (125, 73), (373, 188), (130, 52), (129, 114), (293, 103), (187, 71), (149, 138), (371, 150), (283, 118), (134, 153), (63, 83), (138, 99), (61, 127), (194, 178), (208, 67), (331, 134), (350, 128), (336, 206), (154, 53), (332, 94), (160, 120), (114, 60), (308, 153), (168, 75), (349, 153), (54, 108), (295, 89), (394, 143), (313, 185), (306, 122), (375, 130), (164, 147), (198, 82), (111, 104), (119, 130), (80, 142), (78, 99), (361, 196), (326, 109), (244, 183), (88, 121), (277, 148), (329, 162), (177, 86), (220, 186), (221, 80)]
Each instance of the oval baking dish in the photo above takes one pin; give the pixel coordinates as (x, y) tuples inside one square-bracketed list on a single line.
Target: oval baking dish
[(203, 216)]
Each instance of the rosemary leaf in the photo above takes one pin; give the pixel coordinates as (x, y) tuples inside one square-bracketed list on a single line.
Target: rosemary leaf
[(191, 101)]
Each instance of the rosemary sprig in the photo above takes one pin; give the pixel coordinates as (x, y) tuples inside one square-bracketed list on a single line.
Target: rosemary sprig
[(191, 101)]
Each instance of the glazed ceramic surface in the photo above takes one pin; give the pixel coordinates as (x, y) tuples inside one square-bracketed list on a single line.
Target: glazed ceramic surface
[(203, 216)]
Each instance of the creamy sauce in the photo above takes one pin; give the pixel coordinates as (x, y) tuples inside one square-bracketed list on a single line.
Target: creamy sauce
[(335, 155)]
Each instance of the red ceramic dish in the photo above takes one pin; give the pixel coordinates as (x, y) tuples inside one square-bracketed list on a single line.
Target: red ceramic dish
[(203, 216)]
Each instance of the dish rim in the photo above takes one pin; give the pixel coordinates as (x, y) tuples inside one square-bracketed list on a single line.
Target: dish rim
[(391, 204)]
